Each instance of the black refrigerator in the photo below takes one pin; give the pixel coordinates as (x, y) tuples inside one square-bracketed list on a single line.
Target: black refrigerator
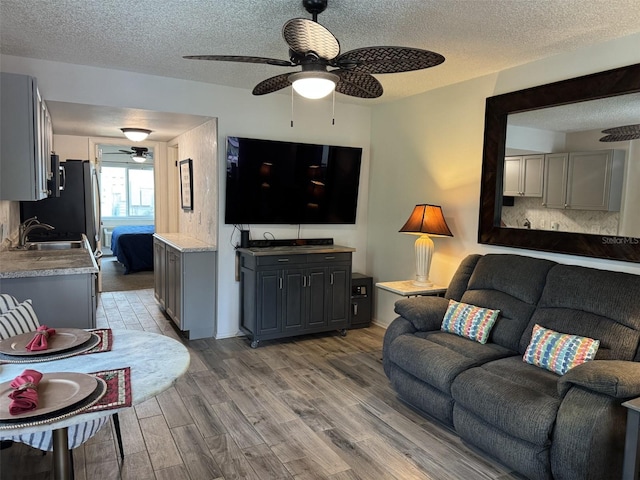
[(74, 212)]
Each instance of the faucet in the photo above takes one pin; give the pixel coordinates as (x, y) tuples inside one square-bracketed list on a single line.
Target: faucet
[(27, 226)]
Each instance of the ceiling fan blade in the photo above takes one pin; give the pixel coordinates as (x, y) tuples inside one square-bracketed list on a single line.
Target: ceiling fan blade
[(241, 59), (127, 152), (619, 137), (355, 84), (272, 84), (624, 130), (387, 59), (304, 36)]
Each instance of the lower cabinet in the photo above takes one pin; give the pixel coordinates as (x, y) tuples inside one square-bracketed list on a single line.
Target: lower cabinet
[(60, 301), (287, 295), (185, 287)]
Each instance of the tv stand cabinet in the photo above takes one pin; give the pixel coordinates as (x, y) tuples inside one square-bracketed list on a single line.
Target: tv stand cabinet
[(288, 291)]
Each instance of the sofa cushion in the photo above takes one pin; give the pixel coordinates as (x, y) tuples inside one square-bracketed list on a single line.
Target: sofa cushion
[(591, 303), (515, 397), (559, 352), (438, 357), (469, 321), (497, 283)]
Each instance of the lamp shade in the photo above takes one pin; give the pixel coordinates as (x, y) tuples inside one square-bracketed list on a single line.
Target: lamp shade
[(427, 219), (136, 134), (314, 84)]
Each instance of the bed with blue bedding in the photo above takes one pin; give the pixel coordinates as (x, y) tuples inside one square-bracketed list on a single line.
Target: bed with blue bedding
[(132, 245)]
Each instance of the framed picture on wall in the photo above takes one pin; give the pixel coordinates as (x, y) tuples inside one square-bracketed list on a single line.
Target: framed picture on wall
[(186, 184)]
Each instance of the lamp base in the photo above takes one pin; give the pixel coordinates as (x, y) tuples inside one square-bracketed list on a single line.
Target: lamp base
[(420, 283)]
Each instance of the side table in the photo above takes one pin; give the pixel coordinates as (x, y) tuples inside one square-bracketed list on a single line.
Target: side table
[(406, 288), (631, 466)]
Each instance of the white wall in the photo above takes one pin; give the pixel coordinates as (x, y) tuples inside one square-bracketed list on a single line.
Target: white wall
[(238, 113), (199, 145), (428, 149)]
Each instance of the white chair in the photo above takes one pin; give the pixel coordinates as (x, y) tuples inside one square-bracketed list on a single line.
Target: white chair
[(17, 318)]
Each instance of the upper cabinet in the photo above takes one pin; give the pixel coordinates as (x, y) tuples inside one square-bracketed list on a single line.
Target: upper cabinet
[(27, 139), (584, 180), (523, 176)]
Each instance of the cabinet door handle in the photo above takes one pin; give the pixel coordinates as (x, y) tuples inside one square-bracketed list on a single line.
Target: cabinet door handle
[(280, 283), (331, 257), (304, 281), (309, 281), (355, 308), (283, 259), (331, 279)]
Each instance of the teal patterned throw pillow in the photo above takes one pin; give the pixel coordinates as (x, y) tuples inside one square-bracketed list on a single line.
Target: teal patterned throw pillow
[(469, 321), (559, 352)]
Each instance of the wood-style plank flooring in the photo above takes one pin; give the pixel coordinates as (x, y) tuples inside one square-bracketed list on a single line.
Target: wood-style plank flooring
[(313, 407)]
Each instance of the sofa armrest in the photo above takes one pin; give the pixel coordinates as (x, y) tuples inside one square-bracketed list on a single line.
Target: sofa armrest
[(616, 378), (424, 313)]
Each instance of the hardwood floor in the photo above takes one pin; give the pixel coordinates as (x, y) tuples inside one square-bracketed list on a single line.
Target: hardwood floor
[(315, 407)]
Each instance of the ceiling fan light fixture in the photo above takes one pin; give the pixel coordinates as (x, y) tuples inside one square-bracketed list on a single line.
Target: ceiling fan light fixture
[(314, 85), (136, 134), (138, 157)]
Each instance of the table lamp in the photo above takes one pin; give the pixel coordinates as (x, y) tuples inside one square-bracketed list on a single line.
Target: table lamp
[(425, 221)]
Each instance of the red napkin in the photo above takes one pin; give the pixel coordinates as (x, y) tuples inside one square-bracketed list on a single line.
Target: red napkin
[(24, 398), (40, 340)]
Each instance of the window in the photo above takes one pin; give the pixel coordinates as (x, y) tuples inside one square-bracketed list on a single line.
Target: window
[(126, 191)]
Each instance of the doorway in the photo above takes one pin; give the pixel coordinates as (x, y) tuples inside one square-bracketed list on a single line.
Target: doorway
[(127, 194)]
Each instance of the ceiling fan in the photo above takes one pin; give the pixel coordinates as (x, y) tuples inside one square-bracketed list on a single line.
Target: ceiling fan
[(315, 49), (621, 134), (138, 154)]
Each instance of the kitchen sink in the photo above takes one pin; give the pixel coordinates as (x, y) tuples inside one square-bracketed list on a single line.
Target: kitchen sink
[(65, 245)]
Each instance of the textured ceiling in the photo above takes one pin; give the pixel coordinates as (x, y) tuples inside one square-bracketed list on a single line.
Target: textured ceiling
[(476, 36)]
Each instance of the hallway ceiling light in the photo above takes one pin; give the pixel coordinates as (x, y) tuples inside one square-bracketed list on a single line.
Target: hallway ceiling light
[(136, 134)]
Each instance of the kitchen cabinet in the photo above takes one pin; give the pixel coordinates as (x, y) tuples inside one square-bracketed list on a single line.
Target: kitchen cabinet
[(159, 269), (59, 301), (185, 283), (27, 139), (289, 293), (523, 176), (584, 180)]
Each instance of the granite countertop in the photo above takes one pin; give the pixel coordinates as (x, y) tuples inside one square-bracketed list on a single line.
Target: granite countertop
[(295, 250), (45, 263), (184, 243)]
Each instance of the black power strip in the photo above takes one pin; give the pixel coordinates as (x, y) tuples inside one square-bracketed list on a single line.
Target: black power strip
[(295, 242)]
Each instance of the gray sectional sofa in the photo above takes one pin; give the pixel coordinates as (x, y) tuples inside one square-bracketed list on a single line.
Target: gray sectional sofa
[(541, 424)]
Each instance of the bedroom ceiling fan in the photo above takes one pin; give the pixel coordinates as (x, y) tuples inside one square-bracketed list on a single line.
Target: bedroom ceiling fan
[(621, 134), (138, 154), (315, 49)]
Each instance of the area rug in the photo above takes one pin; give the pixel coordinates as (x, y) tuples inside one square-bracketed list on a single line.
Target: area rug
[(114, 279)]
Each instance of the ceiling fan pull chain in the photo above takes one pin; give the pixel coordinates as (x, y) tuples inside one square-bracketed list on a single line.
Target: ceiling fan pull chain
[(333, 108), (292, 108)]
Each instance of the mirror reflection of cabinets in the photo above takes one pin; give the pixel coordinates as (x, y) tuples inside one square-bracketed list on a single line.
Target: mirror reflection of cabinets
[(523, 176), (619, 86), (584, 180)]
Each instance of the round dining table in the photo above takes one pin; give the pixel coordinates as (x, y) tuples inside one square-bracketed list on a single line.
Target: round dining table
[(155, 361)]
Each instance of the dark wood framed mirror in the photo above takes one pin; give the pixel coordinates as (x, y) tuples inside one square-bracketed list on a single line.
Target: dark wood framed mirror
[(491, 231)]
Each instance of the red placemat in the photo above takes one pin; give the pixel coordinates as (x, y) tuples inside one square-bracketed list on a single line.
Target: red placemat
[(105, 343), (118, 389)]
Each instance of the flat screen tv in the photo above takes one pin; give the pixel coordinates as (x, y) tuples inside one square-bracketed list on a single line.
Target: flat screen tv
[(273, 182)]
